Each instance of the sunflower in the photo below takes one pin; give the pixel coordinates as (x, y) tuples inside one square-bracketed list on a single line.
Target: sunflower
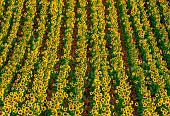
[(136, 104), (65, 109), (65, 114), (66, 95), (69, 99), (81, 111), (30, 104), (20, 112), (59, 114), (30, 113), (102, 100), (7, 109), (24, 105), (26, 108), (165, 113), (149, 82), (117, 101), (77, 112), (159, 104), (43, 108)]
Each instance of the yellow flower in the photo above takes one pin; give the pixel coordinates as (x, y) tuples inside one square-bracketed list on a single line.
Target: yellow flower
[(30, 113), (71, 94), (117, 101), (29, 104), (159, 104), (65, 109), (20, 111), (66, 95), (102, 100), (7, 108), (43, 108), (77, 112), (91, 93), (136, 104)]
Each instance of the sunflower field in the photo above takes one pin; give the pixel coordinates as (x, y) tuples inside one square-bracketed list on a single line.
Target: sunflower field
[(84, 58)]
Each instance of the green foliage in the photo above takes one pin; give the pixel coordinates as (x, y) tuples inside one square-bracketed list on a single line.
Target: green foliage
[(47, 112), (1, 103), (13, 114)]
